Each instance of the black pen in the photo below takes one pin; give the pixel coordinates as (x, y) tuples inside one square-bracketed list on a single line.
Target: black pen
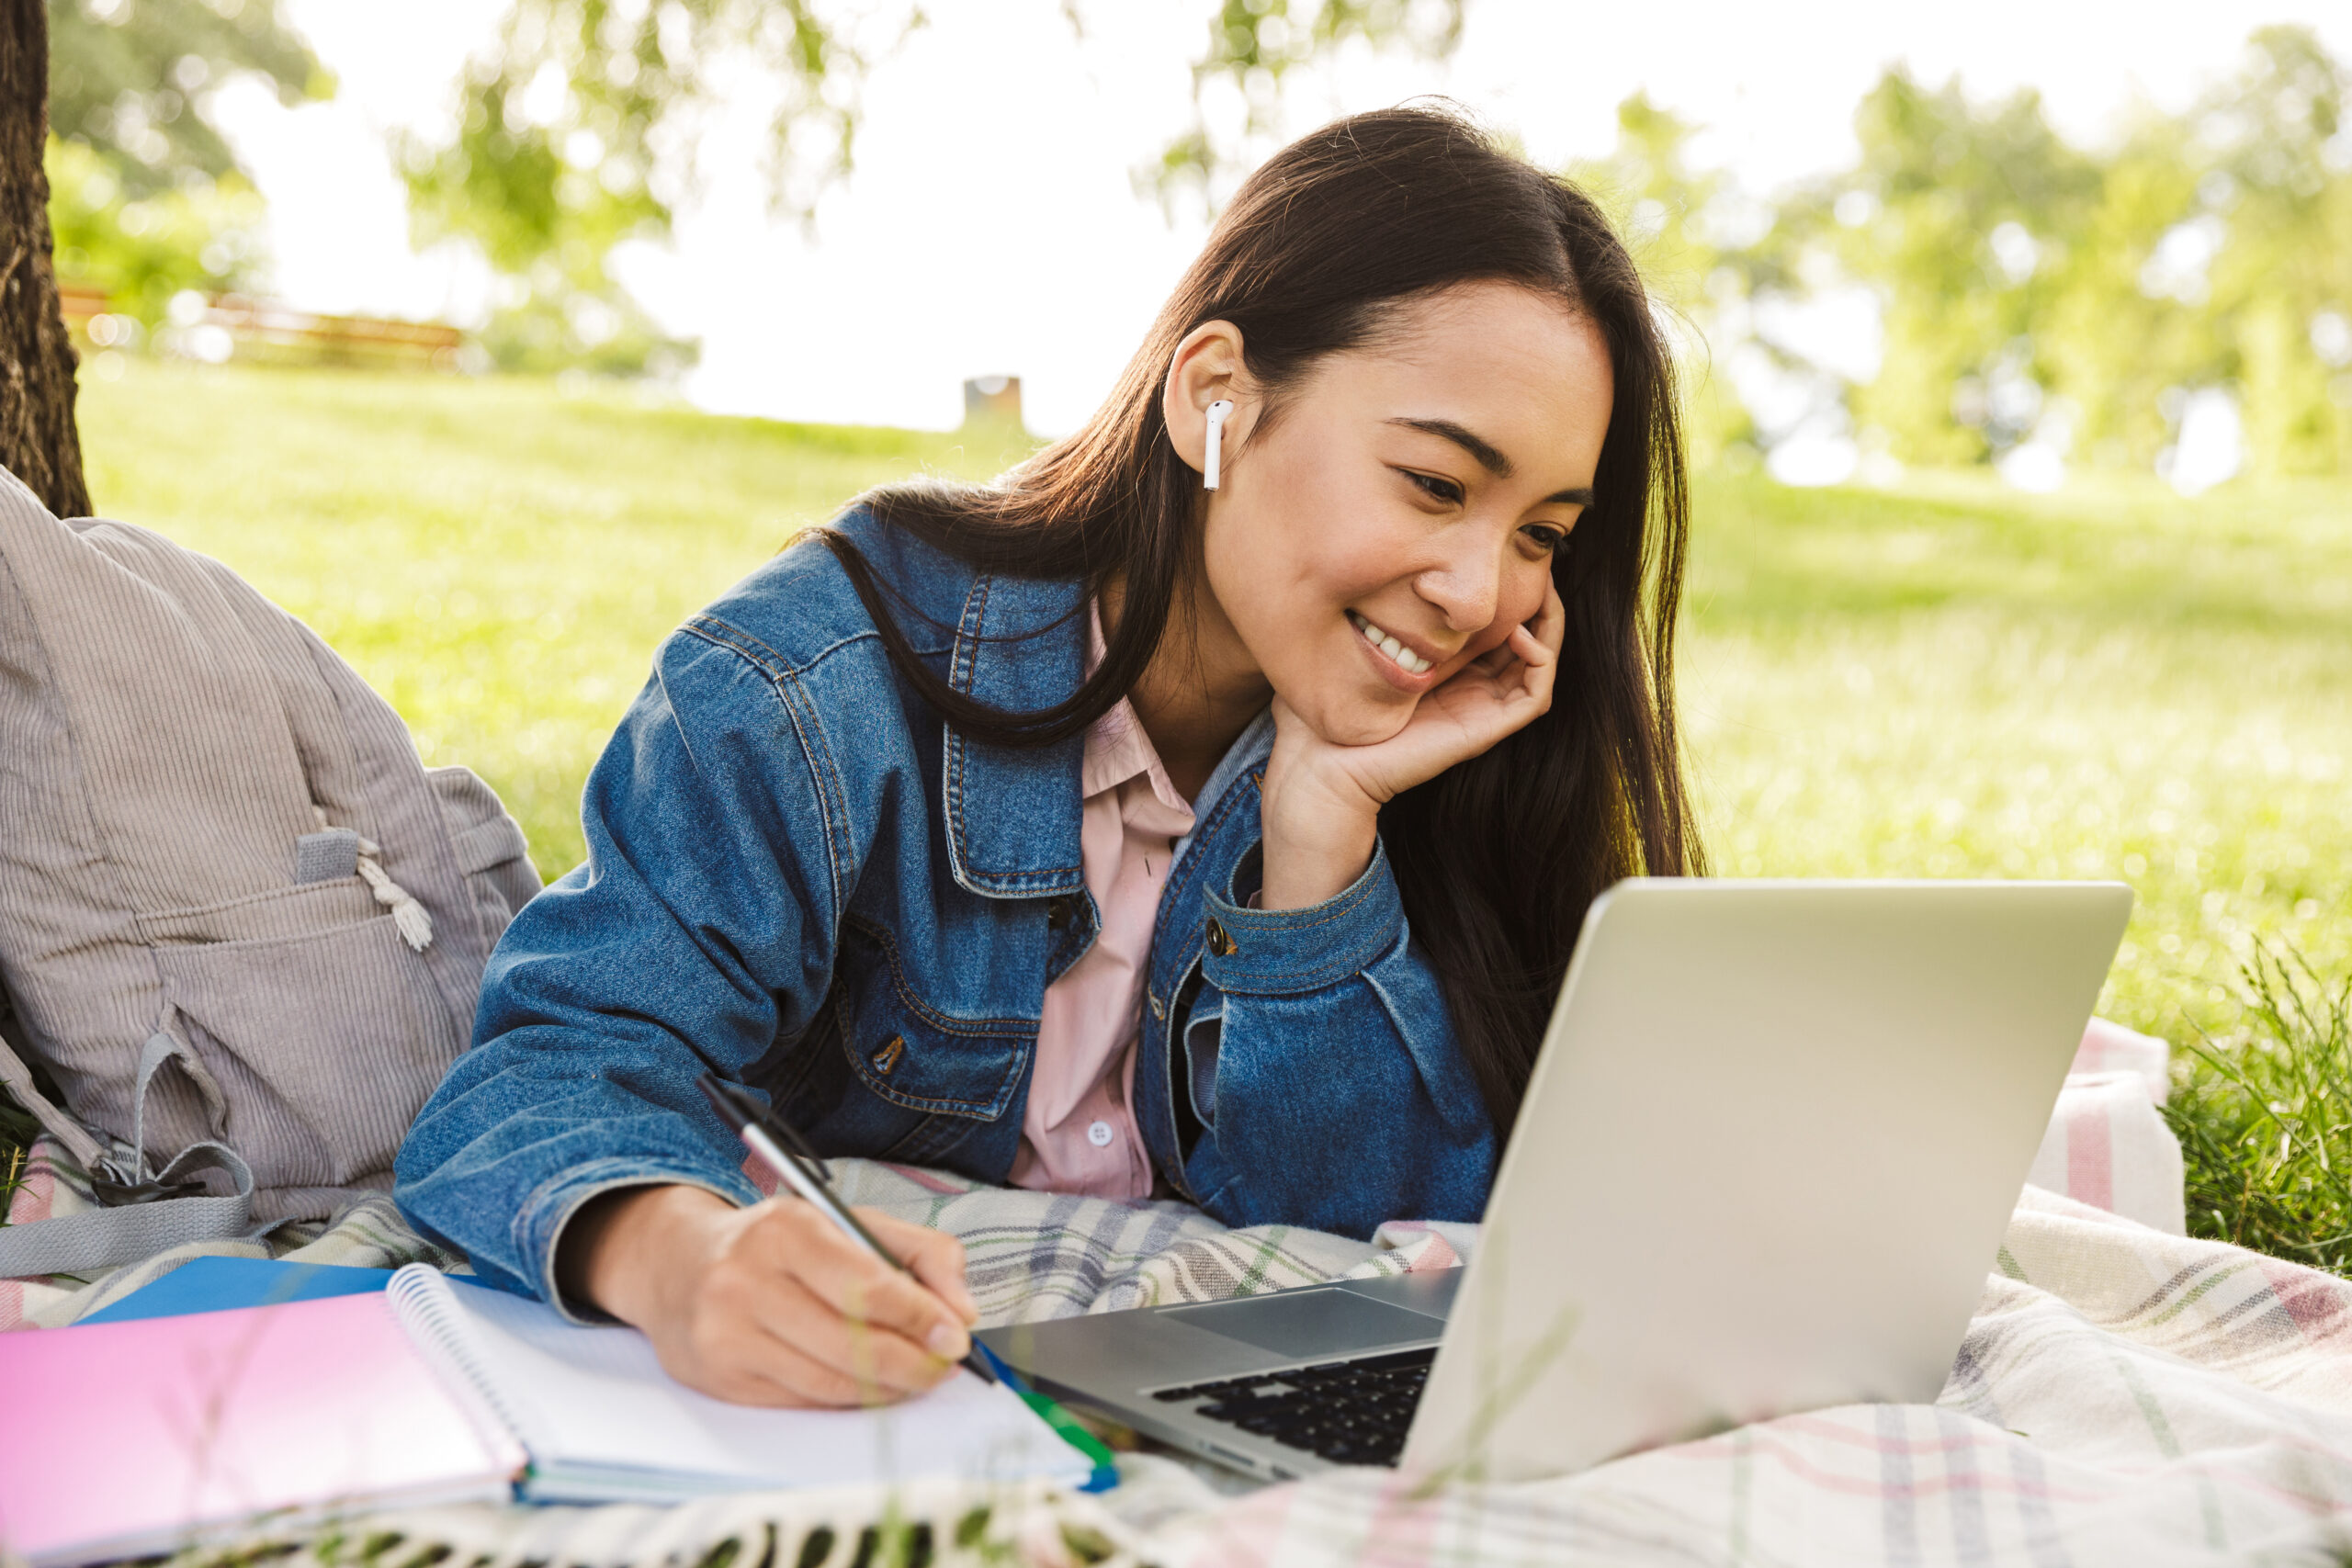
[(782, 1149)]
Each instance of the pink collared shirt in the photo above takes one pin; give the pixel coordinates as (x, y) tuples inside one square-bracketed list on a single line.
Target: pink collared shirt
[(1078, 1133)]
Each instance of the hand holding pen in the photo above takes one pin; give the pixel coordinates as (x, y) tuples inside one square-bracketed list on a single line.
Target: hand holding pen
[(772, 1304), (780, 1147)]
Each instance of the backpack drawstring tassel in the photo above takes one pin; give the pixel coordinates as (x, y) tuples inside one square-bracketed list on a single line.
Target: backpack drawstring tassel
[(409, 917)]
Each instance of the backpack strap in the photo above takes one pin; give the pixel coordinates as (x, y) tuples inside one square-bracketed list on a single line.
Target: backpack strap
[(140, 1224)]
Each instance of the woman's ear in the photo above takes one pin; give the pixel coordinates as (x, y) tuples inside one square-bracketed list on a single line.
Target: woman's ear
[(1206, 369)]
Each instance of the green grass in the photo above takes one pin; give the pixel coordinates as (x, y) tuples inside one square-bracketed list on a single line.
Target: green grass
[(1959, 681), (1947, 679), (497, 558), (2267, 1125)]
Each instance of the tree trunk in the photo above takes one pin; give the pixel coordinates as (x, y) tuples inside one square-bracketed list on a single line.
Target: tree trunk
[(37, 441)]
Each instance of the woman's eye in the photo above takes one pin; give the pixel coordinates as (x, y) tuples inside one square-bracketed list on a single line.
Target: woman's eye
[(1549, 538), (1436, 489)]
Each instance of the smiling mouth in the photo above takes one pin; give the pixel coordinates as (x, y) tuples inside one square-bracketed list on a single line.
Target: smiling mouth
[(1396, 652)]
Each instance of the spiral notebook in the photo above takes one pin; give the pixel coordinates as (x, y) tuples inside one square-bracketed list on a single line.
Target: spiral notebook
[(603, 1423), (130, 1439)]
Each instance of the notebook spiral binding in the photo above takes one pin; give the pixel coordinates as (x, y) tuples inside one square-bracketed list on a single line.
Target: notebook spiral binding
[(419, 1297)]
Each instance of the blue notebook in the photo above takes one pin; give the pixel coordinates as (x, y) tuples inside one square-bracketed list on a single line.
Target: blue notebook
[(215, 1284)]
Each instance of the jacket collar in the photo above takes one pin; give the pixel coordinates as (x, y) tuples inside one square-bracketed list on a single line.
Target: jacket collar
[(1013, 815)]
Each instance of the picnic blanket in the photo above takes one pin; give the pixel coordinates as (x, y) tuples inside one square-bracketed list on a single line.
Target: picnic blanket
[(2123, 1395)]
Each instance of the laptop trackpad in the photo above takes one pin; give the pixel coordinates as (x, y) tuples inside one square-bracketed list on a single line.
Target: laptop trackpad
[(1297, 1324)]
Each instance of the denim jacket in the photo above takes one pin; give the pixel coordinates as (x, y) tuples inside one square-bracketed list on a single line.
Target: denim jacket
[(798, 876)]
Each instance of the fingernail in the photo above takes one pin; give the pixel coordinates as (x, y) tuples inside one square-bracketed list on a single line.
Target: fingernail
[(948, 1342)]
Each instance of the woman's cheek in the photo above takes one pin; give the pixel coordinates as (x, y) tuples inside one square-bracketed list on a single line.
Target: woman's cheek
[(1520, 603), (1487, 642), (1359, 723)]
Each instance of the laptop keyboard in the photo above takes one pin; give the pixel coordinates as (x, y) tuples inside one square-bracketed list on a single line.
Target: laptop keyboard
[(1347, 1412)]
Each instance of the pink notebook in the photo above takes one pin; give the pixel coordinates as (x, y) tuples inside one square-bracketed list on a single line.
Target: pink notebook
[(121, 1439)]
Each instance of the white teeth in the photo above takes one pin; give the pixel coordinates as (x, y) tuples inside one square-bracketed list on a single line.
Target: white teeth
[(1402, 657)]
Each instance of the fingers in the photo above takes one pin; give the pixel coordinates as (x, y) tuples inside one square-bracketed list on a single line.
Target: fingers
[(775, 1306), (1535, 642), (728, 1357), (759, 1357), (1536, 645), (790, 1377), (936, 1258), (853, 1282), (1530, 649), (835, 1353), (1523, 651), (1552, 621)]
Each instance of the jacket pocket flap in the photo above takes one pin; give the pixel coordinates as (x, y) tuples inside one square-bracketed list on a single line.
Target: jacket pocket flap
[(912, 1057)]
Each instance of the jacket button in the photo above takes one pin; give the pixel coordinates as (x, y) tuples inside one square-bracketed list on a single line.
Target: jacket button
[(1220, 943), (1056, 913), (1156, 1011)]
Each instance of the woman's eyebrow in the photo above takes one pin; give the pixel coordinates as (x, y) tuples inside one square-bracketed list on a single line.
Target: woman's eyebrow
[(1489, 455)]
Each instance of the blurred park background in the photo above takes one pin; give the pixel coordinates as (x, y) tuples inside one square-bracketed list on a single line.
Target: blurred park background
[(2018, 352)]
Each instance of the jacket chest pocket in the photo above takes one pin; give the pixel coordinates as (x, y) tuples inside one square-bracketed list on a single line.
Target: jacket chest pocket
[(914, 1056)]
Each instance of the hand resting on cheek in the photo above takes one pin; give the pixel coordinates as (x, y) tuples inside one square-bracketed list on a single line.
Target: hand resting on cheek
[(1322, 799)]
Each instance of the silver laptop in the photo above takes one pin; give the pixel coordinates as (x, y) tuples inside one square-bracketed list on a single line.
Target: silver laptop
[(1764, 1165)]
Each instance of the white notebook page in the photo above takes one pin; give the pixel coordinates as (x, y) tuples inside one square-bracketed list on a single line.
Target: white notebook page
[(595, 1403)]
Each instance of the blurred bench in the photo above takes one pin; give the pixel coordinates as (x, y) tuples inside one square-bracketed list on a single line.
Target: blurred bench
[(270, 331), (264, 329)]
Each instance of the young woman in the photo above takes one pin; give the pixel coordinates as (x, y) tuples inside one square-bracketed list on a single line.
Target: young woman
[(1102, 831)]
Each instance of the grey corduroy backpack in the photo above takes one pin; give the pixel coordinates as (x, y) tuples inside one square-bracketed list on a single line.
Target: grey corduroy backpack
[(242, 928)]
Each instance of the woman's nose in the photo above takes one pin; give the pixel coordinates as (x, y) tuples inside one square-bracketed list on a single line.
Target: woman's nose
[(1465, 587)]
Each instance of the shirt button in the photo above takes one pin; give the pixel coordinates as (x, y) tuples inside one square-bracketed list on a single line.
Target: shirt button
[(1099, 1135)]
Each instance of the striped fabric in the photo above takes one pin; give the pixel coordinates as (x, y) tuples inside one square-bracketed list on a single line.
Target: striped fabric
[(2107, 1145), (2123, 1396)]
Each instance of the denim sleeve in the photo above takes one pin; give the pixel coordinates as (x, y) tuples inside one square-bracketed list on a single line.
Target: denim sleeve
[(1338, 1096), (699, 930)]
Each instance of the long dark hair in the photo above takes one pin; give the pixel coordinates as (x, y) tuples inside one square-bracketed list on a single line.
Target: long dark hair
[(1498, 857)]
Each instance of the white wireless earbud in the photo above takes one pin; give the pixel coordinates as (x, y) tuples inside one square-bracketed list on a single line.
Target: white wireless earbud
[(1217, 412)]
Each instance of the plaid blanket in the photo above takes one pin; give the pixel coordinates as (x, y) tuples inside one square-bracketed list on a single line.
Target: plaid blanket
[(2123, 1396)]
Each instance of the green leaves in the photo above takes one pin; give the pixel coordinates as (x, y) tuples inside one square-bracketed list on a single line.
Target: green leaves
[(578, 130), (1252, 44), (144, 249), (133, 79), (2024, 280)]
